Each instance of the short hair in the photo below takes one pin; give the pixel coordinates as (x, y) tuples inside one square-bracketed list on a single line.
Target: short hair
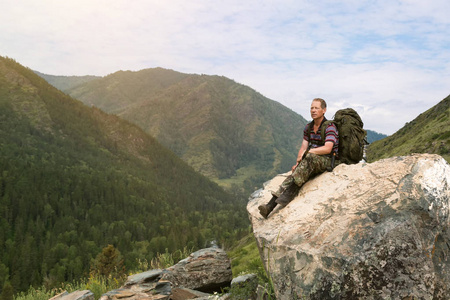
[(323, 104)]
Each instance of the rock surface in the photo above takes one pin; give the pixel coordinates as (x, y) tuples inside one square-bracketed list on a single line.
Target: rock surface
[(365, 231), (77, 295)]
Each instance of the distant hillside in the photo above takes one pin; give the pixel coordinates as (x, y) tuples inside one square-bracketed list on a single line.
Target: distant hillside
[(66, 82), (373, 136), (428, 133), (224, 130), (74, 179)]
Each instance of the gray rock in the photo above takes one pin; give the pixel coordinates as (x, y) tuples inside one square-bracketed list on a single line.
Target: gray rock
[(244, 287), (364, 231), (206, 270), (147, 290), (144, 278), (146, 285), (77, 295), (244, 279), (184, 293)]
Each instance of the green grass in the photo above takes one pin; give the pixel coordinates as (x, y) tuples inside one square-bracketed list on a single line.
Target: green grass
[(245, 259), (428, 133), (99, 285), (241, 175), (96, 284)]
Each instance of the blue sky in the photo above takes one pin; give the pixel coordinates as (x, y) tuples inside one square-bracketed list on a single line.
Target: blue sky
[(390, 60)]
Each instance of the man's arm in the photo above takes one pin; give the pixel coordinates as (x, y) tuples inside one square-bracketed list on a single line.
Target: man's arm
[(327, 148), (323, 150), (331, 137), (303, 148)]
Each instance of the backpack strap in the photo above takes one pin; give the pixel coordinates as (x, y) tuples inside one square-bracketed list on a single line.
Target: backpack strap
[(323, 128), (310, 125)]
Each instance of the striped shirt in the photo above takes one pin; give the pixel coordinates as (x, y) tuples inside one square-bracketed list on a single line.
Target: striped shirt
[(315, 138)]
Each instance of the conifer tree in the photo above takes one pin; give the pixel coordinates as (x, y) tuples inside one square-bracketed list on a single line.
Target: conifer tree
[(109, 263)]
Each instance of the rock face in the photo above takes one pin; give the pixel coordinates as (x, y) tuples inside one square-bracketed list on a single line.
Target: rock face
[(365, 231)]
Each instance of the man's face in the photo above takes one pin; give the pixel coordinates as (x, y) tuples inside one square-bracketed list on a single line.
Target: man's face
[(317, 111)]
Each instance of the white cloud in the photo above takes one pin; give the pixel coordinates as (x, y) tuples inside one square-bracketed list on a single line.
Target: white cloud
[(390, 59)]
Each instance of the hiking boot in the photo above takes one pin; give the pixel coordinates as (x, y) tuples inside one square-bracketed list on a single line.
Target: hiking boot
[(266, 209), (289, 193)]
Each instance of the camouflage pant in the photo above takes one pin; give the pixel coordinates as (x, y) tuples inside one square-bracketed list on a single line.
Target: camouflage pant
[(310, 166)]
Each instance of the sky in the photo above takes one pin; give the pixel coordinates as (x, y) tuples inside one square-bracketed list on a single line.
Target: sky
[(387, 59)]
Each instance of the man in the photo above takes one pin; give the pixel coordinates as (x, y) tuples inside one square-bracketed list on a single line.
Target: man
[(319, 155)]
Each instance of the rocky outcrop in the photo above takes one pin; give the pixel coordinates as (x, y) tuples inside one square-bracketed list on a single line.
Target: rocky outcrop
[(365, 231), (147, 285), (206, 270)]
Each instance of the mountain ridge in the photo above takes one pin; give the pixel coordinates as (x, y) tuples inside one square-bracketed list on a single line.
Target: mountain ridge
[(75, 179), (66, 82), (225, 130)]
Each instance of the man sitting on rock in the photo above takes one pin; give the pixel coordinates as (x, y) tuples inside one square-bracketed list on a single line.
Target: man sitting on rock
[(314, 157)]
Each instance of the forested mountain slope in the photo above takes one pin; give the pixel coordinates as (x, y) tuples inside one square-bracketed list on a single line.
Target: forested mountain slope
[(224, 130), (74, 179), (373, 136), (428, 133)]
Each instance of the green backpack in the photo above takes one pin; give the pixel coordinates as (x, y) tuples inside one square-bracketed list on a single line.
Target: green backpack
[(352, 136)]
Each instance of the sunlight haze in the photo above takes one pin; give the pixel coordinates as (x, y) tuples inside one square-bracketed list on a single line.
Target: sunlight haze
[(390, 60)]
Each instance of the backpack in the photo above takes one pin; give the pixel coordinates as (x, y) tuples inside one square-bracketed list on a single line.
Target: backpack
[(352, 136)]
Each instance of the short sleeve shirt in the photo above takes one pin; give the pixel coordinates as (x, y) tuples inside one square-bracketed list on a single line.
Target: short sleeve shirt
[(315, 138)]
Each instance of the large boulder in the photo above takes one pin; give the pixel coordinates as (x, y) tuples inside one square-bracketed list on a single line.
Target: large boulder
[(365, 231)]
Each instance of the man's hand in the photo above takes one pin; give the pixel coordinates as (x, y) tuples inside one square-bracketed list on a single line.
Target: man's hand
[(295, 166)]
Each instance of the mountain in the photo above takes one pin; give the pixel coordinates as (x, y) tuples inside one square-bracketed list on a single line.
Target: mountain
[(74, 179), (66, 82), (428, 133), (373, 136), (223, 129)]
